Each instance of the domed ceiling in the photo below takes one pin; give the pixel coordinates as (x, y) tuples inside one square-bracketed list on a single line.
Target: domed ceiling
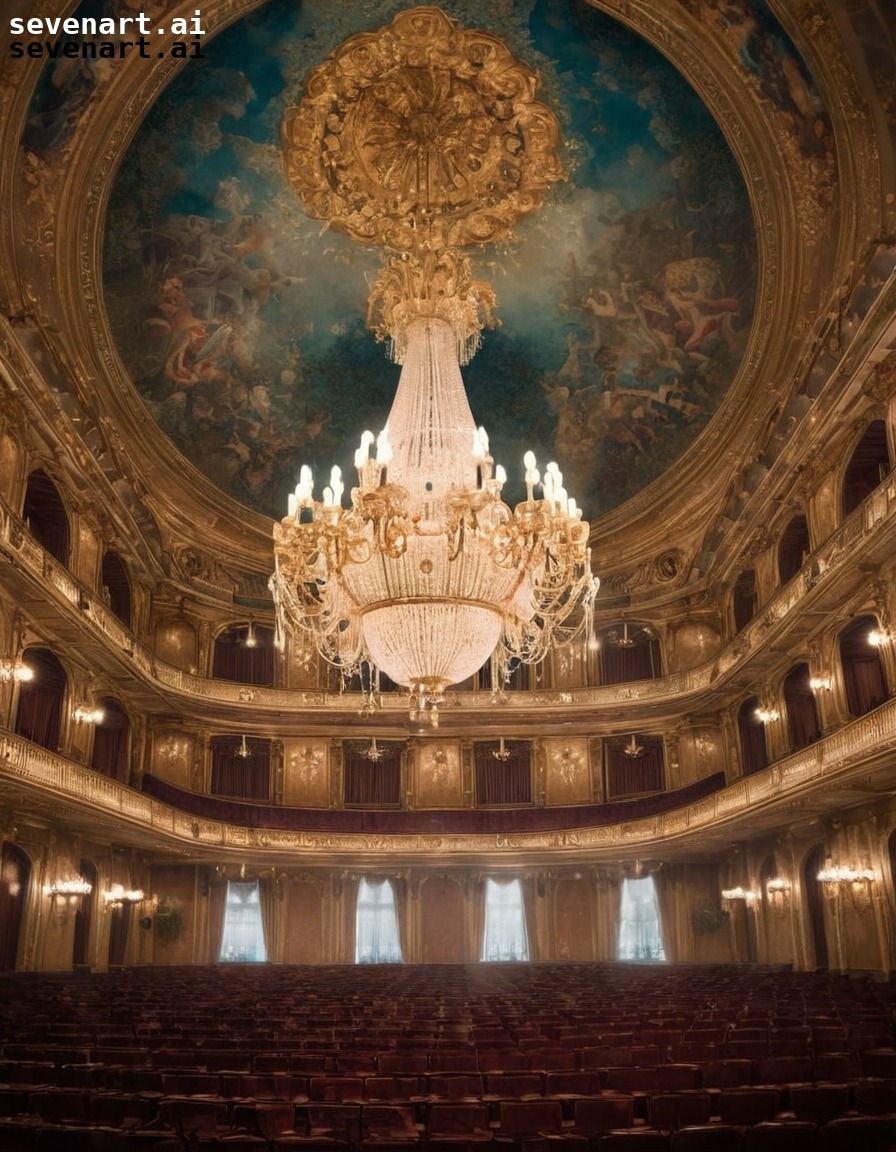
[(625, 300)]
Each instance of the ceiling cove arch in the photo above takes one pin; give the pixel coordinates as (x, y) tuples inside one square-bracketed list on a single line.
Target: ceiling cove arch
[(776, 193)]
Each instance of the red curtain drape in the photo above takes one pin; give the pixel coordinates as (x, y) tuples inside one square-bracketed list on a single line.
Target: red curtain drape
[(238, 777), (39, 714), (372, 783), (15, 872), (802, 712), (863, 674), (234, 660), (503, 782), (110, 742), (119, 922), (754, 755), (620, 664), (628, 775)]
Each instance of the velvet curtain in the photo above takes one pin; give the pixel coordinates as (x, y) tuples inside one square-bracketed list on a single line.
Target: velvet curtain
[(503, 782), (119, 923), (754, 755), (234, 660), (802, 712), (15, 873), (39, 714), (372, 784), (110, 742), (620, 665), (242, 778), (631, 775)]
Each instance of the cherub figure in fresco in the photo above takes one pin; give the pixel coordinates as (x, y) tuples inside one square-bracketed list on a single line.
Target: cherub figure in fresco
[(693, 291)]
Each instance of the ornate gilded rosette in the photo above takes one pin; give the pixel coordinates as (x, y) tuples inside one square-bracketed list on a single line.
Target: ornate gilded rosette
[(423, 137)]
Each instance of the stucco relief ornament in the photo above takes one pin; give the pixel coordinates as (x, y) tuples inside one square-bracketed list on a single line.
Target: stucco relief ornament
[(425, 138)]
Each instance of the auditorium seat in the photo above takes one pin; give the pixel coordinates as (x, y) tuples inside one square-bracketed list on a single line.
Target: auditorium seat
[(707, 1138), (774, 1136), (672, 1110)]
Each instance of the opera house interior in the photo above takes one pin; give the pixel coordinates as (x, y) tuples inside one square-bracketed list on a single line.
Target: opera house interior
[(608, 688)]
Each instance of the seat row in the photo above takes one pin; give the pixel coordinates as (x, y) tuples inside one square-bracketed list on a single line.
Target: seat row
[(113, 1122)]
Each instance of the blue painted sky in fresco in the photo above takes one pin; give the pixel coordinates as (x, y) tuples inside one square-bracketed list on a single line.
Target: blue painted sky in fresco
[(625, 300)]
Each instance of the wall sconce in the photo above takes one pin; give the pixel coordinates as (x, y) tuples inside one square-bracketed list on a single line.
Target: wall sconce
[(820, 683), (766, 715), (15, 670), (749, 897), (856, 881), (77, 886), (85, 715), (776, 891), (878, 637), (118, 894)]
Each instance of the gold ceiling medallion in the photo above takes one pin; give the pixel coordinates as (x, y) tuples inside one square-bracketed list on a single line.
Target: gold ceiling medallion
[(424, 138)]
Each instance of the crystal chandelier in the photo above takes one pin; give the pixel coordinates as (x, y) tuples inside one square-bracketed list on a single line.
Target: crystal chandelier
[(427, 573)]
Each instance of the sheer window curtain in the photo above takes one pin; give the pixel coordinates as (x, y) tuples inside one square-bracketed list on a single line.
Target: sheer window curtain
[(640, 937), (377, 939), (242, 939), (504, 935)]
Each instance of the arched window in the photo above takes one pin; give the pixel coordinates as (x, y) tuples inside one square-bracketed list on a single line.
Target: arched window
[(45, 515), (242, 938), (245, 654), (868, 465), (116, 587), (377, 939), (744, 599), (15, 873), (639, 937), (793, 548), (504, 935), (863, 673), (39, 713), (628, 651), (241, 768), (751, 730), (802, 711), (110, 741)]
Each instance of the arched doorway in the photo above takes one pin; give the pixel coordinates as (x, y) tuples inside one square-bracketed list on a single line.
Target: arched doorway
[(116, 587), (110, 741), (46, 517), (39, 712), (813, 901), (15, 873), (753, 753), (793, 548), (869, 463), (84, 916), (802, 712), (863, 673)]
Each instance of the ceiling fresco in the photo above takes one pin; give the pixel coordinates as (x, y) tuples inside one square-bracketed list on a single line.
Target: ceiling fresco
[(624, 302)]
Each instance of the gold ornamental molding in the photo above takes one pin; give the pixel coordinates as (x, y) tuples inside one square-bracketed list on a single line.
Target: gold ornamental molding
[(424, 138)]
